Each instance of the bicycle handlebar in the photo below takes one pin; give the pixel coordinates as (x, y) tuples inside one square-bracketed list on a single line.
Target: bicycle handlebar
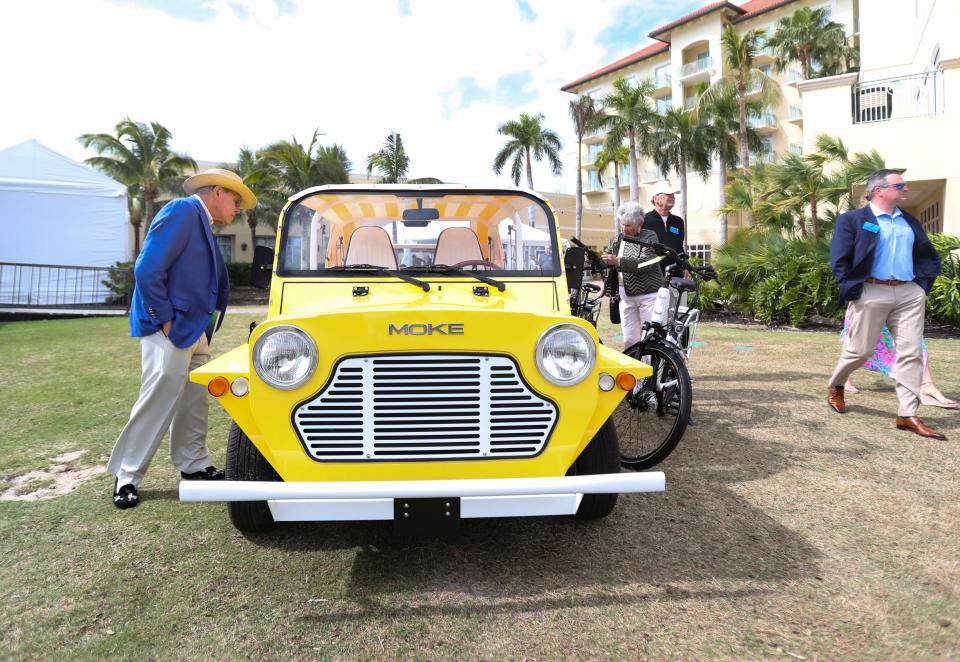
[(706, 272)]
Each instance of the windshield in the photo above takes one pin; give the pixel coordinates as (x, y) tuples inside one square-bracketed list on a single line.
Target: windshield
[(343, 231)]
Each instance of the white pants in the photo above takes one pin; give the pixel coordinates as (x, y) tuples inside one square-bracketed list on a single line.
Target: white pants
[(634, 311), (167, 400)]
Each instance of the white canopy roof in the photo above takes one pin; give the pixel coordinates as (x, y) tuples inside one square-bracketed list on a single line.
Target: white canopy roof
[(54, 210)]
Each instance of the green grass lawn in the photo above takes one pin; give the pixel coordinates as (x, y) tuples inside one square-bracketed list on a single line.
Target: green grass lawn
[(786, 530)]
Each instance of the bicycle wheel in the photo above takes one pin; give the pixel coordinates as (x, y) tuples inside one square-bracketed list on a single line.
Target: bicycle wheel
[(651, 420)]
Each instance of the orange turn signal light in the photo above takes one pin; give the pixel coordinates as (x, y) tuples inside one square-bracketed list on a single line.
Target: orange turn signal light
[(626, 381), (218, 386)]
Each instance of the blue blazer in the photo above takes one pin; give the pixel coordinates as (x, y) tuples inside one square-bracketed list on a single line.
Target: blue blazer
[(852, 248), (180, 275)]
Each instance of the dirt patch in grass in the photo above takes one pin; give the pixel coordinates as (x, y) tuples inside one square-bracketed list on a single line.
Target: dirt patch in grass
[(58, 479)]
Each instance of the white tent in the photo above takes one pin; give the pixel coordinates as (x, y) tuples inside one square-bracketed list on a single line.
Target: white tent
[(54, 210)]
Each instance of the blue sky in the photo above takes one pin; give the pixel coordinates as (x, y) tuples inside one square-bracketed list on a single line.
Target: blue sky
[(223, 74)]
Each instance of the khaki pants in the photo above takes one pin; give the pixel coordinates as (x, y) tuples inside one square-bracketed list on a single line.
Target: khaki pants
[(167, 400), (902, 308)]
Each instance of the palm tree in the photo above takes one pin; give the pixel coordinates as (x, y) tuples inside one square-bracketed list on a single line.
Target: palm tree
[(391, 160), (615, 153), (740, 53), (679, 143), (808, 35), (585, 115), (139, 157), (632, 118), (719, 118), (802, 187), (259, 180), (852, 171), (293, 167), (528, 141)]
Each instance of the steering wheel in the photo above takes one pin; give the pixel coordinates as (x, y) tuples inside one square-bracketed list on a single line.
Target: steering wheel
[(476, 263)]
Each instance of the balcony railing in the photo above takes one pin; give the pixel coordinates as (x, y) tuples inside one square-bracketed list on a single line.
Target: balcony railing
[(918, 95), (764, 121), (663, 80), (698, 65), (689, 103), (796, 113)]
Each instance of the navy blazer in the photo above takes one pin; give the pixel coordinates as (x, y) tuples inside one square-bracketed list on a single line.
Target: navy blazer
[(670, 235), (852, 248), (180, 275)]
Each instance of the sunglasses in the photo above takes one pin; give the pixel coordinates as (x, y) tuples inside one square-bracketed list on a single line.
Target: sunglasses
[(899, 186)]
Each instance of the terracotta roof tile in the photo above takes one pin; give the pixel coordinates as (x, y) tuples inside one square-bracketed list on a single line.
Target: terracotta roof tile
[(756, 7), (642, 54), (692, 15)]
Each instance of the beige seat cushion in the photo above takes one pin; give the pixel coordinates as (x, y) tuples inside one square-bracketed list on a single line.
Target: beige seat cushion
[(370, 244)]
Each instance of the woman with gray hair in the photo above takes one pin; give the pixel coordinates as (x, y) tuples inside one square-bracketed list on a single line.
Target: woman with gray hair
[(638, 283)]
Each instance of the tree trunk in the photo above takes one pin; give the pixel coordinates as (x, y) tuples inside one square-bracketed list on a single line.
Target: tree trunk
[(634, 175), (683, 197), (722, 199), (252, 223), (813, 214), (529, 170), (744, 147), (149, 206), (579, 207), (616, 196), (804, 65), (136, 238)]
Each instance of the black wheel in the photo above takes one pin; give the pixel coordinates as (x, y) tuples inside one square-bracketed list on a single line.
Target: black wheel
[(601, 456), (651, 420), (245, 462)]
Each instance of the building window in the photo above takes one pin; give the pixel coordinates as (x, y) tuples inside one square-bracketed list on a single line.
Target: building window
[(593, 151), (266, 240), (766, 70), (793, 74), (593, 180), (661, 76), (225, 244), (664, 103), (796, 148), (624, 173), (930, 218), (701, 251)]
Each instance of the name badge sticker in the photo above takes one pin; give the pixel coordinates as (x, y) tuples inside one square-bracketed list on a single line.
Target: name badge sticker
[(676, 230), (871, 227)]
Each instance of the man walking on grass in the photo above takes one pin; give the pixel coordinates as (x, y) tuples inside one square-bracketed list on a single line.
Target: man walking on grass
[(178, 303), (885, 264)]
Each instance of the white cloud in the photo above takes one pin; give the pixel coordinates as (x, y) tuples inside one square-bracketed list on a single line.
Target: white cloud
[(354, 70)]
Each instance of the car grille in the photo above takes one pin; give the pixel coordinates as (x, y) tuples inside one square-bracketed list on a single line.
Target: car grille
[(425, 406)]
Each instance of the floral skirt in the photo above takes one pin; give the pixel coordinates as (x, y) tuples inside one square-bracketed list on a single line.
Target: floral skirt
[(884, 357)]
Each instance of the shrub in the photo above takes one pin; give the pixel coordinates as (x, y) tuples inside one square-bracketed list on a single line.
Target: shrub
[(239, 273), (943, 302), (119, 283)]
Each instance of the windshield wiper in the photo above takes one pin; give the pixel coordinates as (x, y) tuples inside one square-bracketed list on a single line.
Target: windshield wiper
[(447, 269), (380, 271)]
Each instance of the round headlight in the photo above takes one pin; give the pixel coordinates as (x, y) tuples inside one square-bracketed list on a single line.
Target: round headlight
[(284, 357), (566, 354)]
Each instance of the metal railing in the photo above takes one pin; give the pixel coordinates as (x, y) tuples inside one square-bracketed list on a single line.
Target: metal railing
[(663, 80), (917, 95), (763, 121), (63, 286), (698, 65)]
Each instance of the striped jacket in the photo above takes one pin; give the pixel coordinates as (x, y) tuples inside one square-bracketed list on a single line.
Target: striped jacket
[(637, 280)]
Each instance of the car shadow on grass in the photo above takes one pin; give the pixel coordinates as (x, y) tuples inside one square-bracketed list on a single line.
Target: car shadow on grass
[(699, 540)]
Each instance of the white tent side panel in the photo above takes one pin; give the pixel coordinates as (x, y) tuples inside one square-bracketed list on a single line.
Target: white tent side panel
[(56, 211)]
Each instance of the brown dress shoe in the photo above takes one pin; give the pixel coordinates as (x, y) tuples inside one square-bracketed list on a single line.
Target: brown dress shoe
[(915, 424), (835, 399)]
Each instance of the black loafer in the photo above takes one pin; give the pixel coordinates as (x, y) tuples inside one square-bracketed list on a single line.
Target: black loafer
[(125, 496), (210, 473)]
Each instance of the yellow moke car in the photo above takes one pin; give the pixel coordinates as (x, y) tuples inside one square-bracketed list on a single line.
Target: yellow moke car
[(419, 363)]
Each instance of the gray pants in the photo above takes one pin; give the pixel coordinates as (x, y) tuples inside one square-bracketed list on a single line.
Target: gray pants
[(902, 308), (167, 400)]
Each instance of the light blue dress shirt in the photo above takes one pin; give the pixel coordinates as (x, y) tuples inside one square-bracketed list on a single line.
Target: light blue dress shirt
[(893, 258)]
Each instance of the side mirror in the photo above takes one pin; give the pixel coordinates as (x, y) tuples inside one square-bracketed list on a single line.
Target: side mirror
[(573, 266), (261, 270)]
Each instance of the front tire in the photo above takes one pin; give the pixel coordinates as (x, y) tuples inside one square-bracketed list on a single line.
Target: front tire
[(601, 456), (651, 420), (245, 462)]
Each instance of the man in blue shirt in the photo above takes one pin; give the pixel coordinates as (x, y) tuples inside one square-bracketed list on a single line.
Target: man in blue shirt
[(885, 265)]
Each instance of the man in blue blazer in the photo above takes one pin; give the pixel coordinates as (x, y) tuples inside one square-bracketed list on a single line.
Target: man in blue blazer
[(178, 304), (885, 264)]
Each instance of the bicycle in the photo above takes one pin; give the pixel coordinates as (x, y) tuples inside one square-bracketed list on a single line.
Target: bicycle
[(651, 420)]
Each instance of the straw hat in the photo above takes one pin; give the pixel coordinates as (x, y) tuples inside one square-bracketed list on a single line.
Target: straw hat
[(226, 179), (663, 186)]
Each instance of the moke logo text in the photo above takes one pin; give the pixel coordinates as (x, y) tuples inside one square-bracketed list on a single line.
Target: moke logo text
[(445, 329)]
